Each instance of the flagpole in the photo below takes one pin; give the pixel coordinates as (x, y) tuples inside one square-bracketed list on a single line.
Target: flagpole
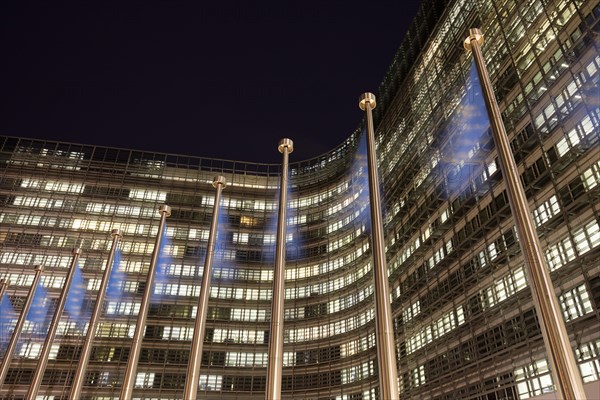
[(19, 326), (564, 367), (43, 358), (86, 351), (384, 327), (3, 287), (193, 371), (140, 327), (275, 357)]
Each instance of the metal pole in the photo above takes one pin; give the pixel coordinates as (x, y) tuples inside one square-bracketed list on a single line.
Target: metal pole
[(136, 344), (3, 287), (14, 338), (193, 370), (43, 359), (564, 368), (384, 327), (275, 363), (91, 332)]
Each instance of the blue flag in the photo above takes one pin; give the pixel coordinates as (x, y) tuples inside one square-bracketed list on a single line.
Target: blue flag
[(116, 279), (163, 264), (7, 320), (74, 305), (39, 313)]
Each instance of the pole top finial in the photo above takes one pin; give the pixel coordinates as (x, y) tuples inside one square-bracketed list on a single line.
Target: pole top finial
[(165, 209), (219, 180), (474, 34), (39, 267), (365, 98), (286, 143), (116, 232), (76, 250)]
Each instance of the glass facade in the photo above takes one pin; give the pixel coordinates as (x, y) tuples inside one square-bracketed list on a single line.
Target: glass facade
[(464, 320)]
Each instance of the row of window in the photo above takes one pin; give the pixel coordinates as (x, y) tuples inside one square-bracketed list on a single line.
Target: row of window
[(161, 196)]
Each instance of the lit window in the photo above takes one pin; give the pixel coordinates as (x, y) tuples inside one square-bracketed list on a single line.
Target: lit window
[(574, 136), (560, 254), (575, 303), (240, 238), (504, 288), (587, 237), (211, 382), (358, 372), (437, 329), (30, 350), (591, 176), (148, 195), (144, 380), (590, 367), (534, 379), (412, 311), (546, 210)]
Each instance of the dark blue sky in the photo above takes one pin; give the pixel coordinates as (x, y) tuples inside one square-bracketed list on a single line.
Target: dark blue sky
[(223, 79)]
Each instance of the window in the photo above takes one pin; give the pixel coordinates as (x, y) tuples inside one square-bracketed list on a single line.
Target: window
[(560, 254), (575, 303), (534, 380), (591, 176), (144, 380), (505, 287), (590, 367), (546, 210), (148, 195), (437, 329), (587, 237), (575, 136)]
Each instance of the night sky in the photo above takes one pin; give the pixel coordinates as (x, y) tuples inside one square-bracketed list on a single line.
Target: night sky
[(213, 79)]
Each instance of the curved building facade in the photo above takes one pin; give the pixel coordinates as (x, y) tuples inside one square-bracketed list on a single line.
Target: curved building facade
[(465, 324)]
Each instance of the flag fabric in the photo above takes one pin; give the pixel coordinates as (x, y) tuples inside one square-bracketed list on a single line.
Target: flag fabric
[(7, 320), (75, 304), (39, 313), (116, 279), (163, 264)]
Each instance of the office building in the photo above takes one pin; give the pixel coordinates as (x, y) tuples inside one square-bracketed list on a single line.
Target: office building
[(464, 319)]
